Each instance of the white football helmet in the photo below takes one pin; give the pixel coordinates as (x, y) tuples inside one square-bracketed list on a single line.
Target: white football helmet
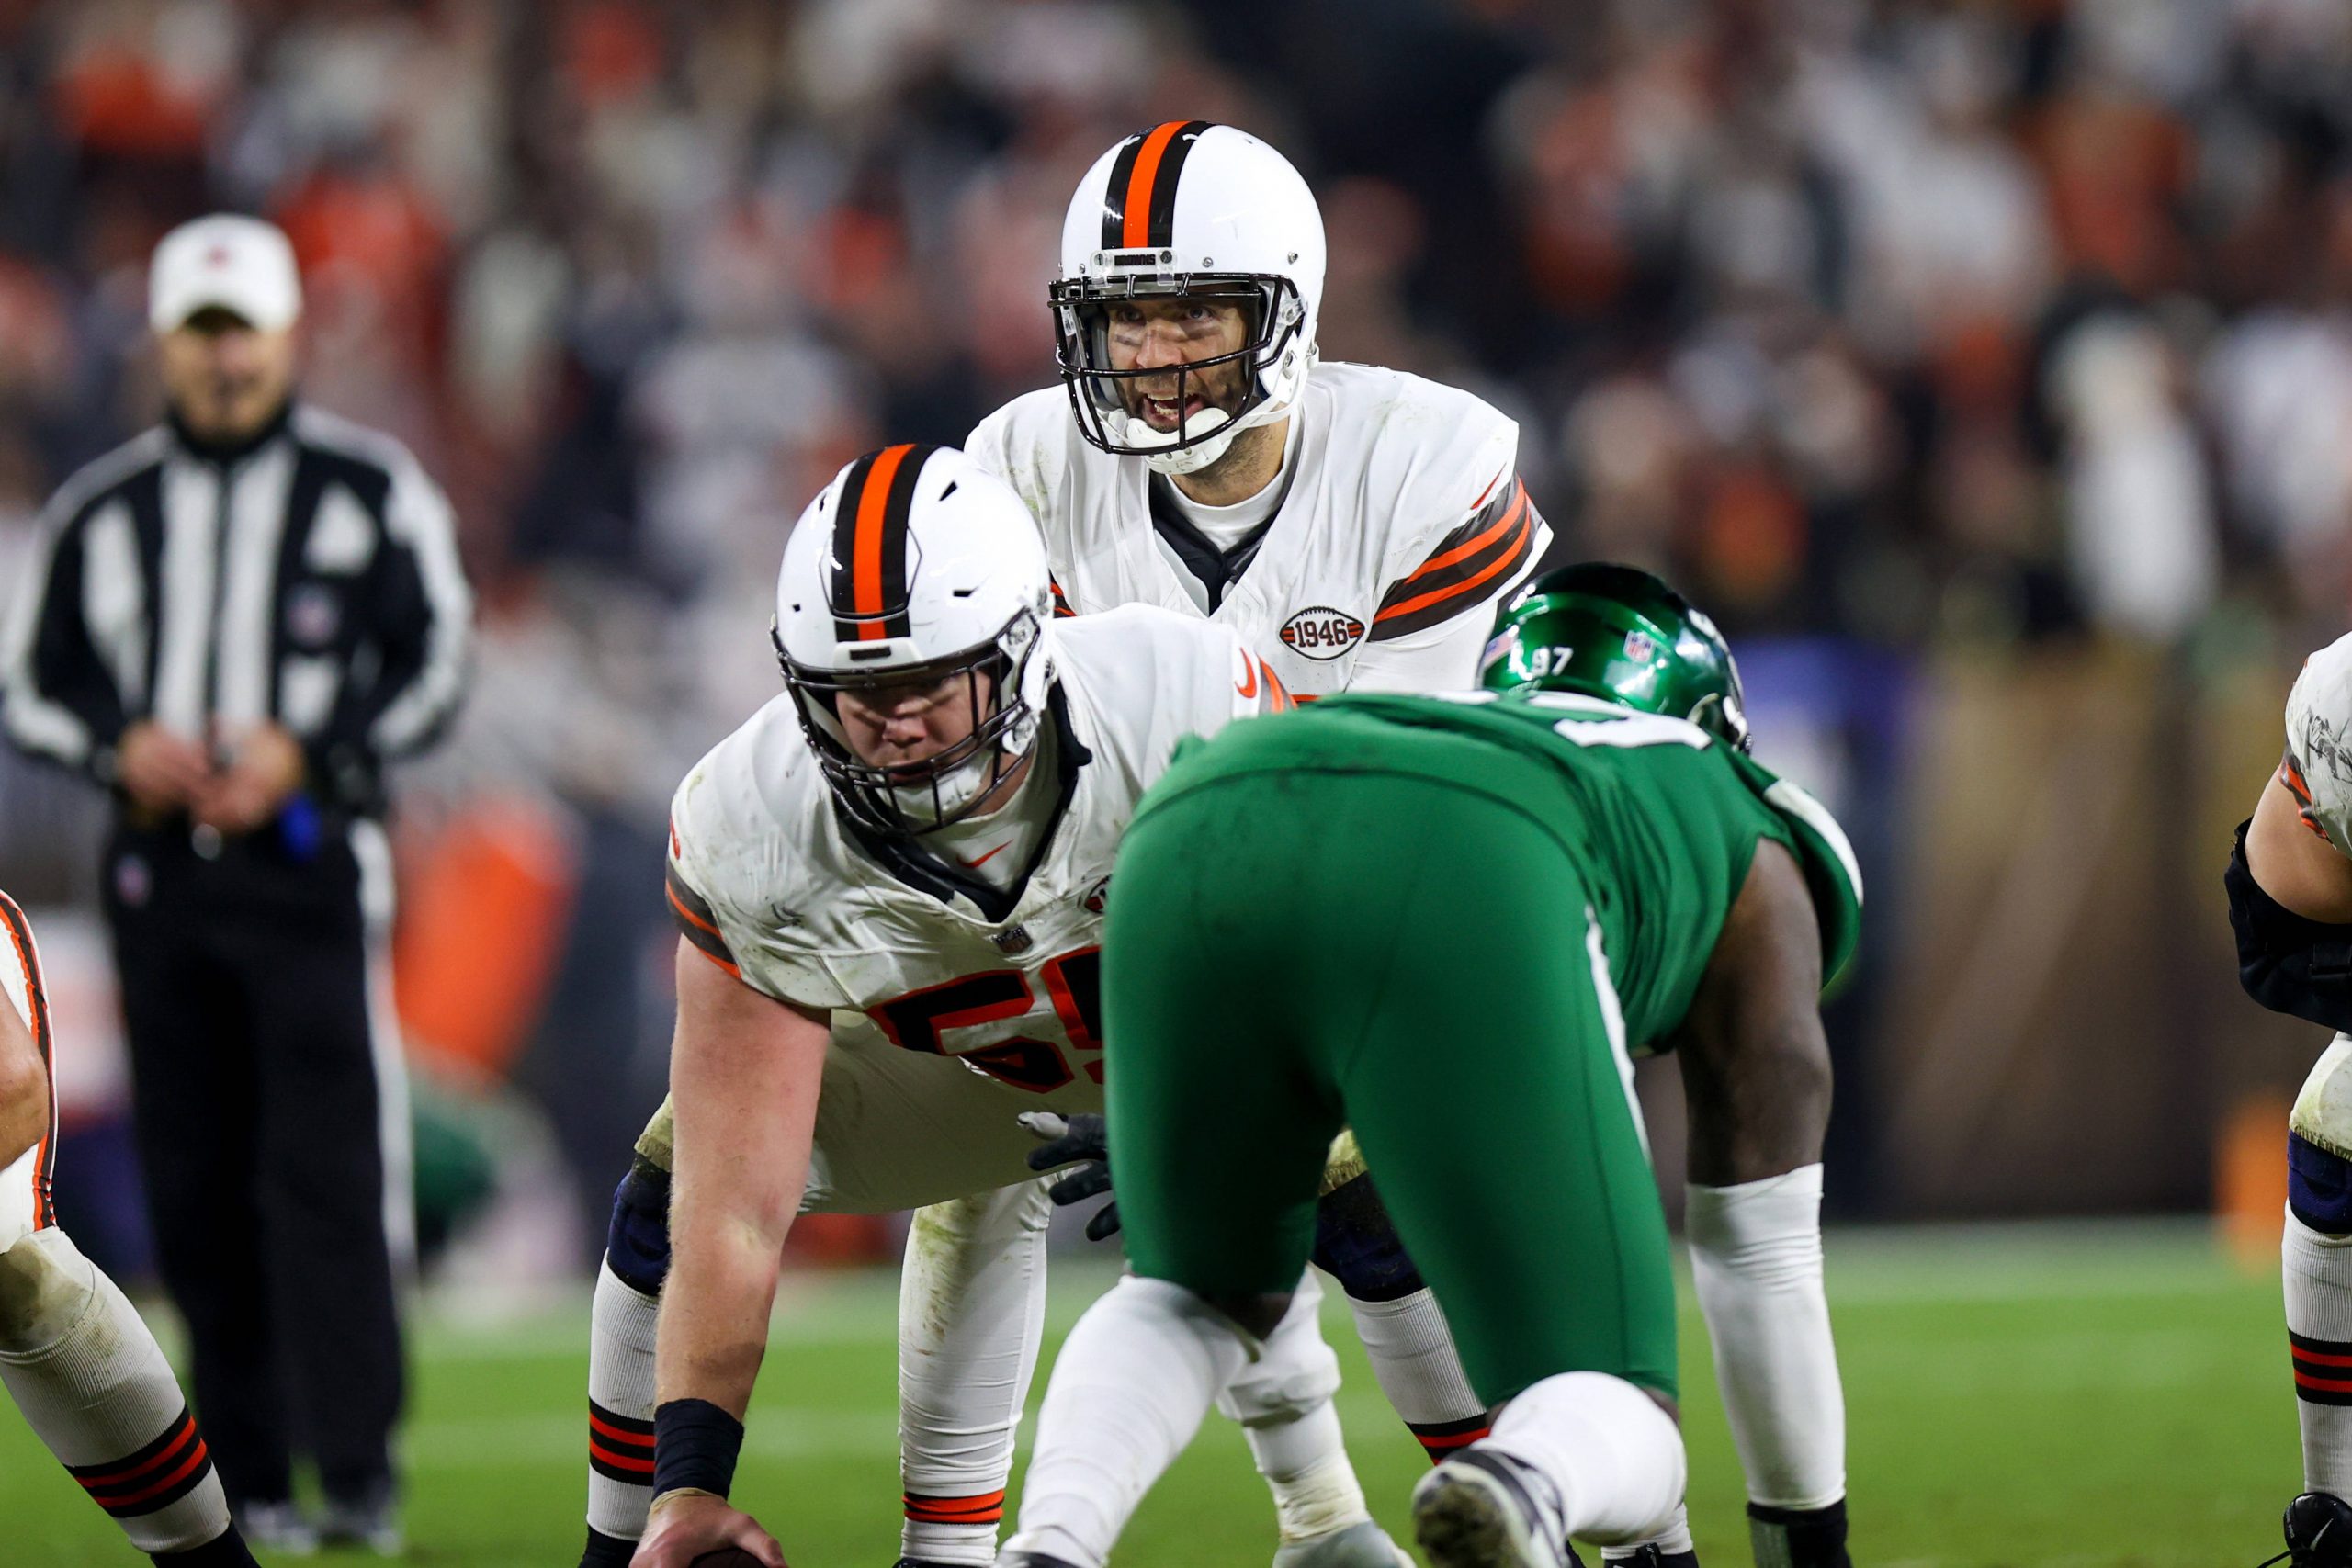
[(1188, 207), (916, 565)]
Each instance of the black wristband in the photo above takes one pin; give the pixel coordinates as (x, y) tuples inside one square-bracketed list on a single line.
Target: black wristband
[(696, 1445)]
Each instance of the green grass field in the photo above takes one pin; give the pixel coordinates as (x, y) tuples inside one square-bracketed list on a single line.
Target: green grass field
[(2072, 1395)]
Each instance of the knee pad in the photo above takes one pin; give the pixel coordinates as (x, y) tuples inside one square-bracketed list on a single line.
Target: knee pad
[(45, 1286), (636, 1247), (2318, 1144), (1295, 1371), (1356, 1244)]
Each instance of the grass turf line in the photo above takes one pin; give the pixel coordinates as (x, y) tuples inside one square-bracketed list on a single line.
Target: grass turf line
[(2073, 1394)]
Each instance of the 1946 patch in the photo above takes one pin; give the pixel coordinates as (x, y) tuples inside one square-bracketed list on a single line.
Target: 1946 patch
[(1322, 633)]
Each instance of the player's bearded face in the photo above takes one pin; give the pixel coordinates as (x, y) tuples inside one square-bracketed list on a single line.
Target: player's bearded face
[(1180, 329), (903, 726)]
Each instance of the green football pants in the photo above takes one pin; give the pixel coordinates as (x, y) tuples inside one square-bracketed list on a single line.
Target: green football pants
[(1291, 951)]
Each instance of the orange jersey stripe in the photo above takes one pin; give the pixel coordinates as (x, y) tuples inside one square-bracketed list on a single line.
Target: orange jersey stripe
[(1136, 231), (866, 568), (1465, 550), (1507, 557), (690, 917)]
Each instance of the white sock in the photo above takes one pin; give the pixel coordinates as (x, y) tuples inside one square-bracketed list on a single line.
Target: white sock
[(971, 1313), (621, 1326), (1128, 1392), (2317, 1272), (95, 1386), (1756, 1269), (1283, 1400), (1414, 1360), (1613, 1457)]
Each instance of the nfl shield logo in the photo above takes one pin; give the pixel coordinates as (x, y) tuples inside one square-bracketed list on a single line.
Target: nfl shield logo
[(1640, 647)]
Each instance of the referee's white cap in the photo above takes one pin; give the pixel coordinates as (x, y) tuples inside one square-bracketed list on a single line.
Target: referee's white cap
[(241, 264)]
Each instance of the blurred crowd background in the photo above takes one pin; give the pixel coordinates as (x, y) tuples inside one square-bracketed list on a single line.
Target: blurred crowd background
[(1986, 369)]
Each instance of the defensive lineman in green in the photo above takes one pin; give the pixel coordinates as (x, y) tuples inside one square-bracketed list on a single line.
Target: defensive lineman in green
[(1448, 924)]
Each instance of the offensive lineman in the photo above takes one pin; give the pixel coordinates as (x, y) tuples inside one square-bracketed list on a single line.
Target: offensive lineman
[(1353, 526), (1542, 875), (2289, 883), (74, 1356), (895, 873)]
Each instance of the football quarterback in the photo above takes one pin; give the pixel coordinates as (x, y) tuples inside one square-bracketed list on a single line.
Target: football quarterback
[(1354, 525), (889, 887), (73, 1353), (2289, 883)]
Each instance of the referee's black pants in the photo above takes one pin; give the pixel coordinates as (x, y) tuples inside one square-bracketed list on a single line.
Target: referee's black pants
[(246, 991)]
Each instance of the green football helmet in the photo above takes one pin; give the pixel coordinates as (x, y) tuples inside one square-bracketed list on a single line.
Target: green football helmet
[(1617, 633)]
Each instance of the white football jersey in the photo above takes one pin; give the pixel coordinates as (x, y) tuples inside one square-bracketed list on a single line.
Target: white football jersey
[(768, 880), (2318, 763), (24, 1185), (1402, 522)]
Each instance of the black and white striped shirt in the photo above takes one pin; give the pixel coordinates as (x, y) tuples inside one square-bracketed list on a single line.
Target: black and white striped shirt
[(310, 577)]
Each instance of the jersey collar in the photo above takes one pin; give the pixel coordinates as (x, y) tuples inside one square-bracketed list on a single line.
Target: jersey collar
[(926, 873)]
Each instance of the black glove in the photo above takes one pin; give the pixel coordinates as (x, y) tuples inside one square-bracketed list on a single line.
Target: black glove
[(1080, 1140)]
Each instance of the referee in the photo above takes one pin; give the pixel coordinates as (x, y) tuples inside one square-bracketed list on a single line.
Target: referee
[(232, 622)]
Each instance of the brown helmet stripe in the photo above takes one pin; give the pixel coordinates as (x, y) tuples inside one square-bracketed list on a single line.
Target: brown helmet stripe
[(1114, 196), (1139, 209), (869, 586)]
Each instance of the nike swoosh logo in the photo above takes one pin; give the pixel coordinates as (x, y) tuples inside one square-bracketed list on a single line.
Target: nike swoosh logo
[(976, 864)]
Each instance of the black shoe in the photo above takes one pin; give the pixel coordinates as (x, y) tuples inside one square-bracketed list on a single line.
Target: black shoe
[(1010, 1559), (2319, 1532)]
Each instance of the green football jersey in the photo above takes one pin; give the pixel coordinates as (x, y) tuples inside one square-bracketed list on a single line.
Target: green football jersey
[(1663, 818)]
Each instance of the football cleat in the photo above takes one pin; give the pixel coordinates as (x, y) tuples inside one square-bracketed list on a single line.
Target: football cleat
[(369, 1523), (1360, 1545), (2319, 1532), (1030, 1560), (1479, 1509), (276, 1527)]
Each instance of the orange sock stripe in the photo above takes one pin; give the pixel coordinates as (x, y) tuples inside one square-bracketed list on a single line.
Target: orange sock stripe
[(158, 1455), (981, 1508)]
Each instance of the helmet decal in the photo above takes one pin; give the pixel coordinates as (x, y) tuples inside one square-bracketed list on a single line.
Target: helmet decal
[(1139, 205), (867, 587)]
